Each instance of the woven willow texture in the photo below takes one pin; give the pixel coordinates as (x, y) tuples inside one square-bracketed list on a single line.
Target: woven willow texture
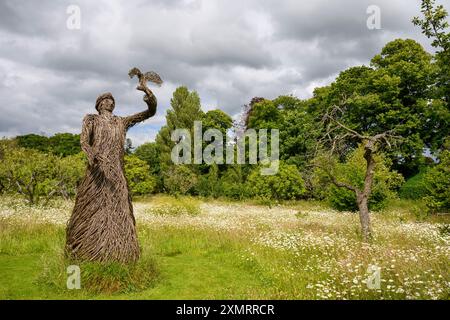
[(102, 226)]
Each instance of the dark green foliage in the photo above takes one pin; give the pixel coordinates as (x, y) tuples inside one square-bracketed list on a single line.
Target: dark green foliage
[(404, 89), (149, 152), (106, 278), (265, 115), (392, 95), (185, 109), (33, 141), (179, 180), (435, 25), (208, 184), (62, 144), (232, 183), (298, 136), (289, 103), (342, 199), (415, 187), (217, 119), (287, 184), (437, 181), (299, 128)]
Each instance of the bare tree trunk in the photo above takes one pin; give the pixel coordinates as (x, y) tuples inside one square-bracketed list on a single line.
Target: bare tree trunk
[(362, 197), (364, 215)]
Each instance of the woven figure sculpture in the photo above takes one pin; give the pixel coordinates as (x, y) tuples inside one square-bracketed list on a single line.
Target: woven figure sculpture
[(102, 226)]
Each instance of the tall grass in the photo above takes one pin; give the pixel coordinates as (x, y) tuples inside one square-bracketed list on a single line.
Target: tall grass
[(239, 251)]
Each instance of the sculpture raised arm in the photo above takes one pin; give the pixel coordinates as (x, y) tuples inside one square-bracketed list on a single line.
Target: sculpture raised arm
[(149, 97)]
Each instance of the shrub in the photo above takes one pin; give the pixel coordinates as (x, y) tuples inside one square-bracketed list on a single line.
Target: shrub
[(179, 179), (287, 184), (232, 183), (437, 180), (150, 153), (208, 184), (137, 171), (415, 187)]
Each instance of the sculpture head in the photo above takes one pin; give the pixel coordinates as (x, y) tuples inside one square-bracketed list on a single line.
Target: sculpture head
[(105, 102)]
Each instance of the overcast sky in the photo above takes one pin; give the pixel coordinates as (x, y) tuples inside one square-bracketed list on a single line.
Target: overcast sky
[(228, 51)]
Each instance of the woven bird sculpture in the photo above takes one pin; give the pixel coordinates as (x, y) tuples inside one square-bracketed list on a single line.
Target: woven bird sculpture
[(102, 225), (144, 78)]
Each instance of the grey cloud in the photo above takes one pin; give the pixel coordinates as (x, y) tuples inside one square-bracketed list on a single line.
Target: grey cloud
[(228, 51)]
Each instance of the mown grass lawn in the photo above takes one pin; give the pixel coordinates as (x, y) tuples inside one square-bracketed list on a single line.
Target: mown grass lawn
[(193, 249), (191, 264)]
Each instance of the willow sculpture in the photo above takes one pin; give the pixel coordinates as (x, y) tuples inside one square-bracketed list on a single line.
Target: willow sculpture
[(102, 226)]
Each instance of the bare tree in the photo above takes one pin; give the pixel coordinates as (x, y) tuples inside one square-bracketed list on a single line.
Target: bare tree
[(337, 136)]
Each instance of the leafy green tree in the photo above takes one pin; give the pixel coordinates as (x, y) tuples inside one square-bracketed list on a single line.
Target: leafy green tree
[(299, 133), (264, 115), (137, 172), (64, 144), (289, 102), (28, 172), (407, 60), (217, 119), (435, 25), (232, 182), (209, 184), (33, 141), (61, 144), (185, 110), (427, 115), (378, 108), (415, 187), (6, 145), (69, 171), (150, 153), (180, 180)]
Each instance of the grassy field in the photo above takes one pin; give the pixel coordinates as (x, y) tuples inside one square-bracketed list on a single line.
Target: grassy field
[(210, 249)]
